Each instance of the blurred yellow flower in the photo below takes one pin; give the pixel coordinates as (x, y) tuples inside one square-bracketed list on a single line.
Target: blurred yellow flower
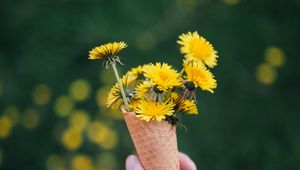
[(101, 96), (13, 113), (5, 127), (79, 119), (197, 48), (30, 119), (41, 94), (72, 138), (97, 132), (231, 2), (188, 107), (197, 74), (110, 141), (148, 110), (63, 106), (80, 90), (265, 74), (106, 161), (274, 56), (55, 162), (82, 162), (162, 75)]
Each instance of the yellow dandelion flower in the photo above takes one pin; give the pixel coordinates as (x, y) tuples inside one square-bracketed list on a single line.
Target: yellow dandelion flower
[(129, 81), (133, 104), (196, 47), (162, 75), (136, 71), (114, 95), (188, 106), (148, 110), (142, 89), (106, 50), (197, 74), (174, 96)]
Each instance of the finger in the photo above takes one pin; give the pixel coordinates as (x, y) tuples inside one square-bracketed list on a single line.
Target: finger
[(133, 163), (186, 163)]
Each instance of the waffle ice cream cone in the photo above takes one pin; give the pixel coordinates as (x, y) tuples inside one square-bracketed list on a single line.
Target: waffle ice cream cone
[(155, 142)]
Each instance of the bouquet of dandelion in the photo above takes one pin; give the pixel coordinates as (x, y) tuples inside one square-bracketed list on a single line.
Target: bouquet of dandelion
[(153, 97)]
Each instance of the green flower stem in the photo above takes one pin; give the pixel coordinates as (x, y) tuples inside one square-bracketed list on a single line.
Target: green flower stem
[(181, 72), (121, 86)]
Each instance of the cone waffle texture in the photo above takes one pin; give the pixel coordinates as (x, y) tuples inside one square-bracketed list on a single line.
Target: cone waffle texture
[(155, 142)]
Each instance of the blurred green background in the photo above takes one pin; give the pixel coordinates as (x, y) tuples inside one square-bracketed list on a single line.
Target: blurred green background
[(52, 97)]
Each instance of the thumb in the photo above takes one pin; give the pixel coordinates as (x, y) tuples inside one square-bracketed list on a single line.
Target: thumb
[(133, 163)]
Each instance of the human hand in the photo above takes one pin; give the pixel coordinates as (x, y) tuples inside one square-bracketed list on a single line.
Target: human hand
[(133, 163)]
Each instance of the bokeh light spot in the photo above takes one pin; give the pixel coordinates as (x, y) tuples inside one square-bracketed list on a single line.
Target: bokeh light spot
[(82, 162), (231, 2), (5, 127), (13, 113), (274, 56), (30, 119), (55, 162), (63, 106), (79, 119), (41, 94), (80, 90), (110, 141), (266, 74), (106, 161), (97, 132), (72, 138), (101, 96)]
